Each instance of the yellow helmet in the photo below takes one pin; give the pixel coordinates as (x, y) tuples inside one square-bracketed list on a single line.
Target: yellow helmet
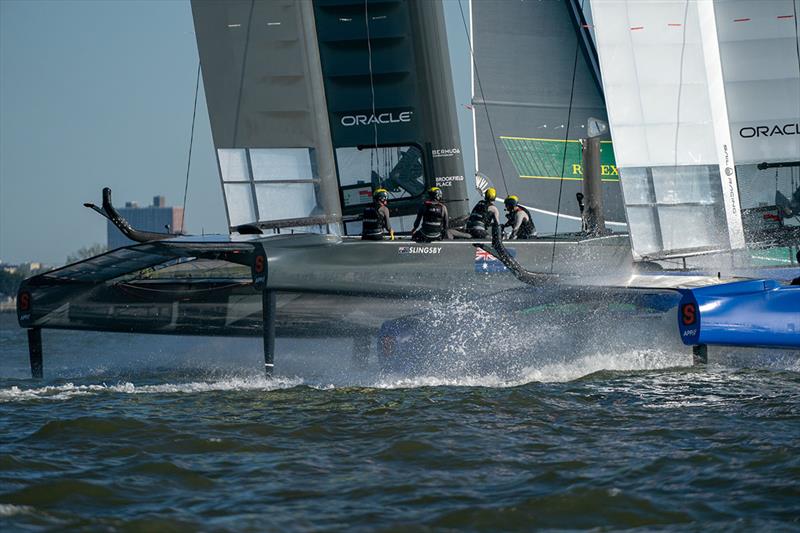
[(435, 193), (381, 195), (490, 194), (511, 202)]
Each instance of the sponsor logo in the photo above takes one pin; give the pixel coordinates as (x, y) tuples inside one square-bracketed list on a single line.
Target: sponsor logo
[(445, 152), (605, 170), (381, 118), (447, 181), (419, 249), (690, 333), (688, 314), (729, 172), (259, 270), (748, 132), (24, 301), (259, 264)]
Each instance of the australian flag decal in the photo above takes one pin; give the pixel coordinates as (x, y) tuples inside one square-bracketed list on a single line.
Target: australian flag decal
[(486, 262)]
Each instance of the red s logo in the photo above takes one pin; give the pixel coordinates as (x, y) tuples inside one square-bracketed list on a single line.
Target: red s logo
[(259, 265), (25, 301), (689, 314)]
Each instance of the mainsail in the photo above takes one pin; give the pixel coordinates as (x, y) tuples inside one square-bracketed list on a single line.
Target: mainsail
[(703, 101), (263, 85), (760, 60), (313, 104), (535, 85)]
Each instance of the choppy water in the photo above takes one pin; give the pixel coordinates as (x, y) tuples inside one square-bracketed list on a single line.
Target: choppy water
[(158, 433)]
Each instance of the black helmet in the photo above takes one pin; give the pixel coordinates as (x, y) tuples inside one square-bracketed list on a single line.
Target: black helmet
[(511, 202), (381, 195), (435, 193)]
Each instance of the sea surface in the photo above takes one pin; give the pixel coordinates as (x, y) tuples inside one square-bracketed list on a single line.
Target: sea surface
[(151, 433)]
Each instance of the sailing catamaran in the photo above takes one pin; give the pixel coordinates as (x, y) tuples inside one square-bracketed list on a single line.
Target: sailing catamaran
[(315, 103)]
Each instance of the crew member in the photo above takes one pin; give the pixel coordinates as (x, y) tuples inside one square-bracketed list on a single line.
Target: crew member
[(433, 216), (519, 220), (376, 218), (483, 215)]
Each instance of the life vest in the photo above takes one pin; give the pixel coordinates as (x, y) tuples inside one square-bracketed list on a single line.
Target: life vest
[(527, 229), (373, 223), (432, 219), (480, 218)]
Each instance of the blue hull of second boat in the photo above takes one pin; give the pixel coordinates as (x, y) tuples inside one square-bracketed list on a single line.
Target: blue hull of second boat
[(753, 313)]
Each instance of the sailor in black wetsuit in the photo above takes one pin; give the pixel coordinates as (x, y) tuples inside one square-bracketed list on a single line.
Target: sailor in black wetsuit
[(433, 215), (376, 218), (519, 220), (483, 215)]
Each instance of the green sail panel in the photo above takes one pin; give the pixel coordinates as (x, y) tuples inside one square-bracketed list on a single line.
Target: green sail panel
[(552, 159)]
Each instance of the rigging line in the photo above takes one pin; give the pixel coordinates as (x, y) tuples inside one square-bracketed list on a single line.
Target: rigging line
[(564, 157), (680, 80), (191, 142), (372, 89), (483, 98), (241, 79)]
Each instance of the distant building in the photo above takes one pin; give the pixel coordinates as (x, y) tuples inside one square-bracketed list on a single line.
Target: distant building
[(157, 217), (24, 267)]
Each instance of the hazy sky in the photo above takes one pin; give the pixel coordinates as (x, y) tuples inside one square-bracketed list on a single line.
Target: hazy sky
[(99, 93)]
